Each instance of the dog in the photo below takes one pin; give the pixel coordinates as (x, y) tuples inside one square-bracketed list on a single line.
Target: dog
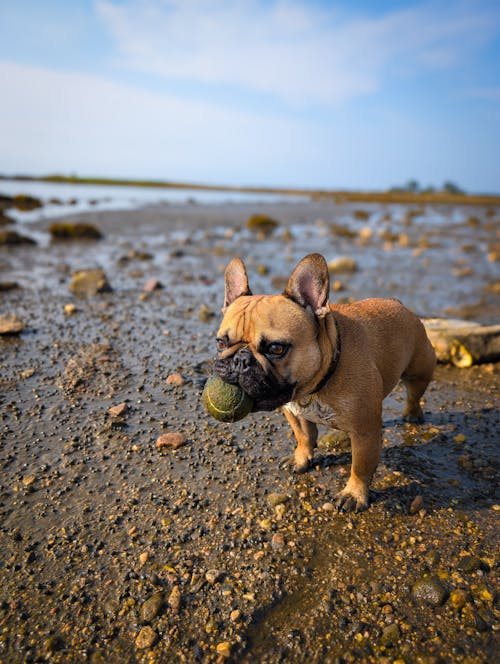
[(323, 363)]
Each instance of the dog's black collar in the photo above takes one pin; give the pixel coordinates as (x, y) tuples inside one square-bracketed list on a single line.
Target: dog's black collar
[(333, 364)]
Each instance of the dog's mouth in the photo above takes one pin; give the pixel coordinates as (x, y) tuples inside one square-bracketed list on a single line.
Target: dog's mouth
[(266, 390)]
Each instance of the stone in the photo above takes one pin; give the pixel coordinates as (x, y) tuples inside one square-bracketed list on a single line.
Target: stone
[(11, 324), (89, 282), (11, 238), (274, 499), (152, 285), (152, 607), (67, 230), (390, 635), (429, 590), (342, 264), (117, 411), (175, 379), (170, 441), (224, 649), (175, 599), (416, 504), (458, 598), (146, 638)]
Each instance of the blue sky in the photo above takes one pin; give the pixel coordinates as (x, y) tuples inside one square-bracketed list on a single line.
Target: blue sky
[(361, 94)]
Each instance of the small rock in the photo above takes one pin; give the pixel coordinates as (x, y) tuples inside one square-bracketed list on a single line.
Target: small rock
[(10, 238), (11, 324), (143, 558), (205, 314), (458, 598), (416, 504), (213, 575), (29, 480), (146, 638), (470, 564), (117, 411), (175, 380), (170, 440), (69, 309), (235, 615), (429, 590), (175, 599), (152, 285), (390, 635), (89, 282), (152, 607), (274, 499), (224, 649), (277, 541), (342, 264), (68, 230), (280, 510)]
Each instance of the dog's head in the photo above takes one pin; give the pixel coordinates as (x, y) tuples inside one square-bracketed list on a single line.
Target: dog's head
[(274, 346)]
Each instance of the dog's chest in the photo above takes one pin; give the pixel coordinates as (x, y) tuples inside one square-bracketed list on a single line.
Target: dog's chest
[(313, 411)]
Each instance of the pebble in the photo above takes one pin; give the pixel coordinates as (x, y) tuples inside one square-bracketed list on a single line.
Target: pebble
[(118, 410), (390, 635), (458, 598), (224, 649), (342, 264), (152, 607), (277, 541), (152, 285), (175, 379), (170, 440), (69, 309), (146, 638), (213, 575), (175, 599), (429, 590), (416, 504), (11, 324), (89, 282), (470, 564), (274, 499)]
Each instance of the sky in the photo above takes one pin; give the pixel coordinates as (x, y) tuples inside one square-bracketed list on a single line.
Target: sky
[(354, 94)]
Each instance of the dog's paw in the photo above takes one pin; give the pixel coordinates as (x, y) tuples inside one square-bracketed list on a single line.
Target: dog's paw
[(350, 501), (289, 463), (413, 416)]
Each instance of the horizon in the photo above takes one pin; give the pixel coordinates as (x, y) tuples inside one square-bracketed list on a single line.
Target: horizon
[(256, 93)]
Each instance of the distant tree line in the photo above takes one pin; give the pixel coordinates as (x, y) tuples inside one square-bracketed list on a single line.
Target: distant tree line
[(414, 187)]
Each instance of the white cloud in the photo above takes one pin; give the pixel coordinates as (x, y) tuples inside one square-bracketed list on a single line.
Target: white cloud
[(292, 50), (65, 121)]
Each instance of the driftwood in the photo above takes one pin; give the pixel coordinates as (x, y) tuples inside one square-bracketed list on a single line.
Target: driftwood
[(463, 343)]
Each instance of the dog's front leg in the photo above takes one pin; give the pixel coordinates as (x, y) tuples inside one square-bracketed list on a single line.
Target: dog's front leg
[(365, 457), (306, 434)]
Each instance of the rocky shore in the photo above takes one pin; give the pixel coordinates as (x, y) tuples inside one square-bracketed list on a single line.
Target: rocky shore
[(135, 528)]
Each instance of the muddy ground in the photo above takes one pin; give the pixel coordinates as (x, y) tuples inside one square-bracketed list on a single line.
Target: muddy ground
[(114, 551)]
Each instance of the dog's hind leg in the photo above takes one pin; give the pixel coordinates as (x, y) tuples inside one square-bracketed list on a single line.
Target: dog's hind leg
[(416, 377)]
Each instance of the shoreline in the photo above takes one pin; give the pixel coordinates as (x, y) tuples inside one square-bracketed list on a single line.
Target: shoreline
[(337, 195)]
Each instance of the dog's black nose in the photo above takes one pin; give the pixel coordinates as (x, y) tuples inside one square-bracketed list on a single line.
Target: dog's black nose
[(242, 360)]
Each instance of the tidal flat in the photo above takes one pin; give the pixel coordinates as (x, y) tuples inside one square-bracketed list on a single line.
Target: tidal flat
[(116, 548)]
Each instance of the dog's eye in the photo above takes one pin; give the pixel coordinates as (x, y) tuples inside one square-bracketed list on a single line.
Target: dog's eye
[(221, 344), (276, 349)]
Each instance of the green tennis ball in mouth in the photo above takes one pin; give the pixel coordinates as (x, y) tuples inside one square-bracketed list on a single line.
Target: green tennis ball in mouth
[(226, 402)]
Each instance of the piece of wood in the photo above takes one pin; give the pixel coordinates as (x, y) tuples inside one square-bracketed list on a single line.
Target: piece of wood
[(463, 343)]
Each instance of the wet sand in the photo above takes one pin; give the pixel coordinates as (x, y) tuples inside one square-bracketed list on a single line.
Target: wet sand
[(115, 551)]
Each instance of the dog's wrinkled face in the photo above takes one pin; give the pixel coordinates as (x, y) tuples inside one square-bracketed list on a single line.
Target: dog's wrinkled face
[(266, 344)]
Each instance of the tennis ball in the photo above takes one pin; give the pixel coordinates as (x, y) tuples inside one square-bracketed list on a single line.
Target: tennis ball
[(226, 402)]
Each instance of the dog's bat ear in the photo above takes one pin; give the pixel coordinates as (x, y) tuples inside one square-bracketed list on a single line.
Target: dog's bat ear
[(235, 282), (309, 284)]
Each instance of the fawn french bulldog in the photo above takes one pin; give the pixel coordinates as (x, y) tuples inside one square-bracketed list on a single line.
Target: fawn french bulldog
[(324, 363)]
